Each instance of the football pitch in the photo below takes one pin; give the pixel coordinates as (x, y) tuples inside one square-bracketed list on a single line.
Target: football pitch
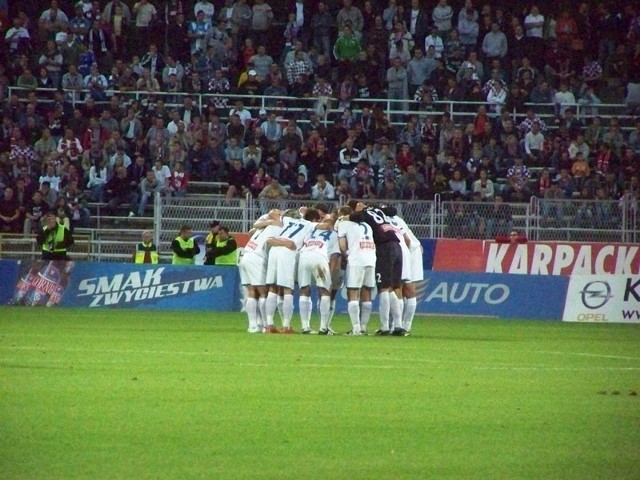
[(123, 394)]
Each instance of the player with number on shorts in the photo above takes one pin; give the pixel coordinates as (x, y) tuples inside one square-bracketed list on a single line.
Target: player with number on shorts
[(413, 270), (318, 257), (357, 245)]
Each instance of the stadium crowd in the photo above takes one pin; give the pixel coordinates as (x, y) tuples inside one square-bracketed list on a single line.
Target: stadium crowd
[(109, 107)]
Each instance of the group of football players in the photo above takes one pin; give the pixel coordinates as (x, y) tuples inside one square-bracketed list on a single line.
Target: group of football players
[(363, 247)]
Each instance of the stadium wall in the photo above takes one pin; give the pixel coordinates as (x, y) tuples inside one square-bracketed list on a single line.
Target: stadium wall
[(575, 298)]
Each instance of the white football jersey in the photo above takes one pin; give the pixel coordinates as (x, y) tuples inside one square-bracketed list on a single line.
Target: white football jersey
[(258, 241), (296, 230), (402, 227), (324, 242), (360, 245)]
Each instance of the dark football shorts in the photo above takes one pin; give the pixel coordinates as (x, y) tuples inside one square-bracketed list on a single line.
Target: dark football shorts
[(389, 265)]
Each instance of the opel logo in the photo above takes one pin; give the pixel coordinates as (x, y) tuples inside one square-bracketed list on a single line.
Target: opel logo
[(596, 294)]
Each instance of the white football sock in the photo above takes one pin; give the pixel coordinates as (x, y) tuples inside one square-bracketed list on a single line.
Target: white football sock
[(395, 310), (270, 307), (353, 307), (251, 306), (325, 309), (262, 312), (408, 313), (287, 310), (365, 314), (385, 307), (305, 305), (279, 305), (332, 310)]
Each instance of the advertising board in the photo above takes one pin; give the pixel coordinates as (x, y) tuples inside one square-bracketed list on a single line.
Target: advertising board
[(117, 285), (537, 258), (501, 296), (603, 299)]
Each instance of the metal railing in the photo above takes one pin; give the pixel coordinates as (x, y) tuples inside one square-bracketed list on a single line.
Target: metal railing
[(24, 247), (460, 112), (539, 220)]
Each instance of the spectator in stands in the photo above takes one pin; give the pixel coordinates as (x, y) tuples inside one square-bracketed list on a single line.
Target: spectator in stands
[(179, 180), (271, 192), (119, 190), (131, 126), (77, 202), (564, 99), (149, 186), (27, 80), (346, 50), (98, 178), (233, 152), (322, 190), (198, 160), (350, 14), (321, 24), (251, 156), (137, 171), (45, 145), (518, 177), (468, 28), (241, 21), (534, 144), (494, 44), (614, 138), (261, 20), (259, 181), (497, 98), (301, 188), (239, 179), (17, 38), (48, 194), (389, 190), (51, 60), (199, 32), (297, 68), (52, 21), (51, 177), (484, 186), (34, 213), (162, 174)]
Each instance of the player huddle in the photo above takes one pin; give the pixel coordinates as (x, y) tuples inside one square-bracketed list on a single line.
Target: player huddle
[(311, 247)]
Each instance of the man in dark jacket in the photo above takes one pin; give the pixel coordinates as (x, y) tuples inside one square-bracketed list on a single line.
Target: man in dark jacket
[(119, 190)]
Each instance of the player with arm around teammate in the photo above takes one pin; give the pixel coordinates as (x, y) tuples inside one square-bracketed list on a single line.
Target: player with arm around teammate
[(412, 271), (253, 268), (357, 246), (282, 261), (388, 260), (337, 275), (318, 257)]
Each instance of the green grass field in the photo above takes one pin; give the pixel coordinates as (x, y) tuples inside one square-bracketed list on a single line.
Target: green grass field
[(175, 395)]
